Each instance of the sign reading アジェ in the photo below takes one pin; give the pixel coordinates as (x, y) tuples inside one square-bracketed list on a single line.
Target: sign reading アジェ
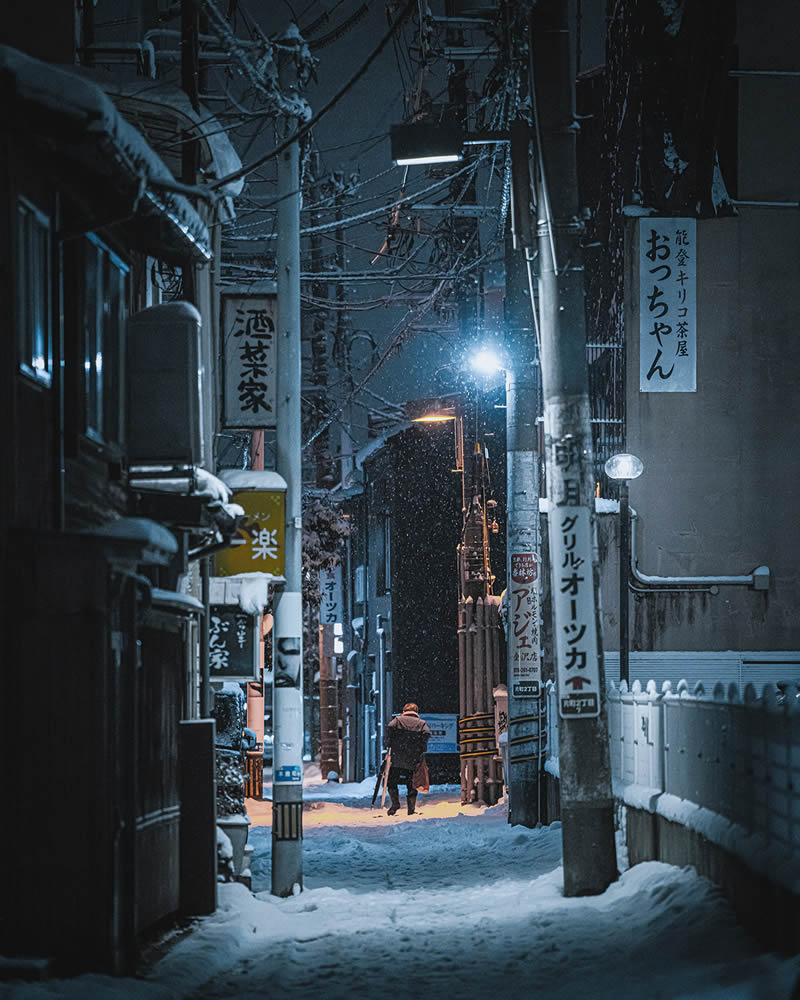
[(523, 631)]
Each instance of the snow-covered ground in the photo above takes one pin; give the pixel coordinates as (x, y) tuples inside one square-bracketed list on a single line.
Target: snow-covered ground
[(455, 903)]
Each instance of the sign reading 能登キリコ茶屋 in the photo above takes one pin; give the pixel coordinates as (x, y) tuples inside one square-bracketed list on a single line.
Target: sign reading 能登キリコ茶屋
[(250, 357), (667, 305)]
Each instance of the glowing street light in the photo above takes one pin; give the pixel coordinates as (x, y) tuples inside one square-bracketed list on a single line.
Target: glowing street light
[(488, 362)]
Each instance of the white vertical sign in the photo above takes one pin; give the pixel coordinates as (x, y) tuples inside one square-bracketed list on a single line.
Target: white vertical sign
[(577, 665), (330, 587), (250, 357), (667, 305), (523, 631)]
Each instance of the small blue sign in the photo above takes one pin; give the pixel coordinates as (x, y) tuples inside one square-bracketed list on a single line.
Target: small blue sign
[(444, 733), (290, 773)]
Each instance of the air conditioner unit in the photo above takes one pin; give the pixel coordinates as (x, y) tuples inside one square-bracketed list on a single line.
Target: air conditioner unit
[(165, 386)]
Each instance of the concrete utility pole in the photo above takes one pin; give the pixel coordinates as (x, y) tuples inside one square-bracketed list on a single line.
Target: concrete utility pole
[(287, 690), (523, 543), (587, 805)]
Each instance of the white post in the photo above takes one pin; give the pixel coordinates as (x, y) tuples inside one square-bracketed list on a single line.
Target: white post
[(287, 690)]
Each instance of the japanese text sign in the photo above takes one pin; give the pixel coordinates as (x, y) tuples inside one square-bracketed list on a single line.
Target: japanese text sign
[(330, 587), (523, 629), (577, 666), (232, 644), (263, 530), (250, 357), (444, 733), (667, 305)]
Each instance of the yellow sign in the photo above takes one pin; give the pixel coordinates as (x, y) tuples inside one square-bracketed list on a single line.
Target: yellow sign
[(264, 532)]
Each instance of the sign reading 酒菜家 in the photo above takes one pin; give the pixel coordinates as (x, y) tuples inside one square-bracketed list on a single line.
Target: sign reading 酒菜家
[(523, 632), (667, 305), (263, 532), (577, 665), (250, 357)]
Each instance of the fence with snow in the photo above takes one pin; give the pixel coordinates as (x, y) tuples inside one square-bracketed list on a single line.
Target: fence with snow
[(711, 779)]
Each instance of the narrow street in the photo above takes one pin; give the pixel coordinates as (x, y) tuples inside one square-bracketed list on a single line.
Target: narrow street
[(456, 903)]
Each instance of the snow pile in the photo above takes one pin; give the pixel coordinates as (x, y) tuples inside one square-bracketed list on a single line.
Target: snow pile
[(460, 905)]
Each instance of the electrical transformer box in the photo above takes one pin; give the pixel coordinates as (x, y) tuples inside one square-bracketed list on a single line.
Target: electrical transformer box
[(165, 386)]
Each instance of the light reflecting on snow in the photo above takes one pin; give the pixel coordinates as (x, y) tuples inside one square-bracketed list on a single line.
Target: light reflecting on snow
[(451, 903)]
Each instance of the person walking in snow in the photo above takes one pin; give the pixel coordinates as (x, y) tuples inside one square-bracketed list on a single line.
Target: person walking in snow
[(407, 738)]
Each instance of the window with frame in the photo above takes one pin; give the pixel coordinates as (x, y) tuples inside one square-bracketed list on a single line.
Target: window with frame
[(102, 328), (34, 333)]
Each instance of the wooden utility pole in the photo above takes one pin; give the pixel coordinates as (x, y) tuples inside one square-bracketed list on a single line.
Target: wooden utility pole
[(523, 546), (587, 805), (328, 705)]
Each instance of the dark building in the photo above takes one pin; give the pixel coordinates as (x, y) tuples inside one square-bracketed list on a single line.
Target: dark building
[(105, 513)]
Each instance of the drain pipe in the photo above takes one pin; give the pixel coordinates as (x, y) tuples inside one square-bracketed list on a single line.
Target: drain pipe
[(758, 579)]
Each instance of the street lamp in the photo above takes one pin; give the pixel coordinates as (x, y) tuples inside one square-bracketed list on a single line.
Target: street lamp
[(624, 467)]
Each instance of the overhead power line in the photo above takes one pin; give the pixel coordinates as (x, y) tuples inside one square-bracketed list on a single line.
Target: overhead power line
[(306, 128)]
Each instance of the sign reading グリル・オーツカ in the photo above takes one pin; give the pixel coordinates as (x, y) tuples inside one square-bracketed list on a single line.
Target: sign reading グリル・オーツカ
[(577, 665), (250, 357), (667, 305), (263, 530), (523, 630)]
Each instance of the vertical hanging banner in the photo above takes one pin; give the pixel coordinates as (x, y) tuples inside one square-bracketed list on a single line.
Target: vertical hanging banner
[(523, 630), (577, 665), (249, 360), (667, 305), (330, 587)]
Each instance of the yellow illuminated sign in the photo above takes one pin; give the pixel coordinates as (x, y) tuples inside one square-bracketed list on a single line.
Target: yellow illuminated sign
[(263, 529)]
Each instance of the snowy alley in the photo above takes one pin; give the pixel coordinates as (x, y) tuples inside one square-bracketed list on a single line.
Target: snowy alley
[(450, 903)]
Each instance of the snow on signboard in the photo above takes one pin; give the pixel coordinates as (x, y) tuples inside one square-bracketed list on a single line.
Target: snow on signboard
[(667, 305), (250, 359)]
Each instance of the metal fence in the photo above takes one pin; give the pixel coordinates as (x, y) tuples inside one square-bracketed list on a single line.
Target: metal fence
[(724, 764)]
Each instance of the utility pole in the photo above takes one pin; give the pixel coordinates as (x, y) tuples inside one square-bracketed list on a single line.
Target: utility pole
[(523, 542), (587, 805), (287, 690)]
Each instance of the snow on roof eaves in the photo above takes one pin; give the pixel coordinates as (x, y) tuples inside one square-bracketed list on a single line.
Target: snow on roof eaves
[(83, 105), (224, 156), (176, 600), (252, 479), (141, 530)]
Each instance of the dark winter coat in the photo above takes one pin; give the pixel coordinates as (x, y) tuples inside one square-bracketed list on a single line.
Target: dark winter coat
[(407, 737)]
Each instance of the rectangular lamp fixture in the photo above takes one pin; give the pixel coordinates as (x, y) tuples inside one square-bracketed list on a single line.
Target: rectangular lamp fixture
[(424, 143)]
